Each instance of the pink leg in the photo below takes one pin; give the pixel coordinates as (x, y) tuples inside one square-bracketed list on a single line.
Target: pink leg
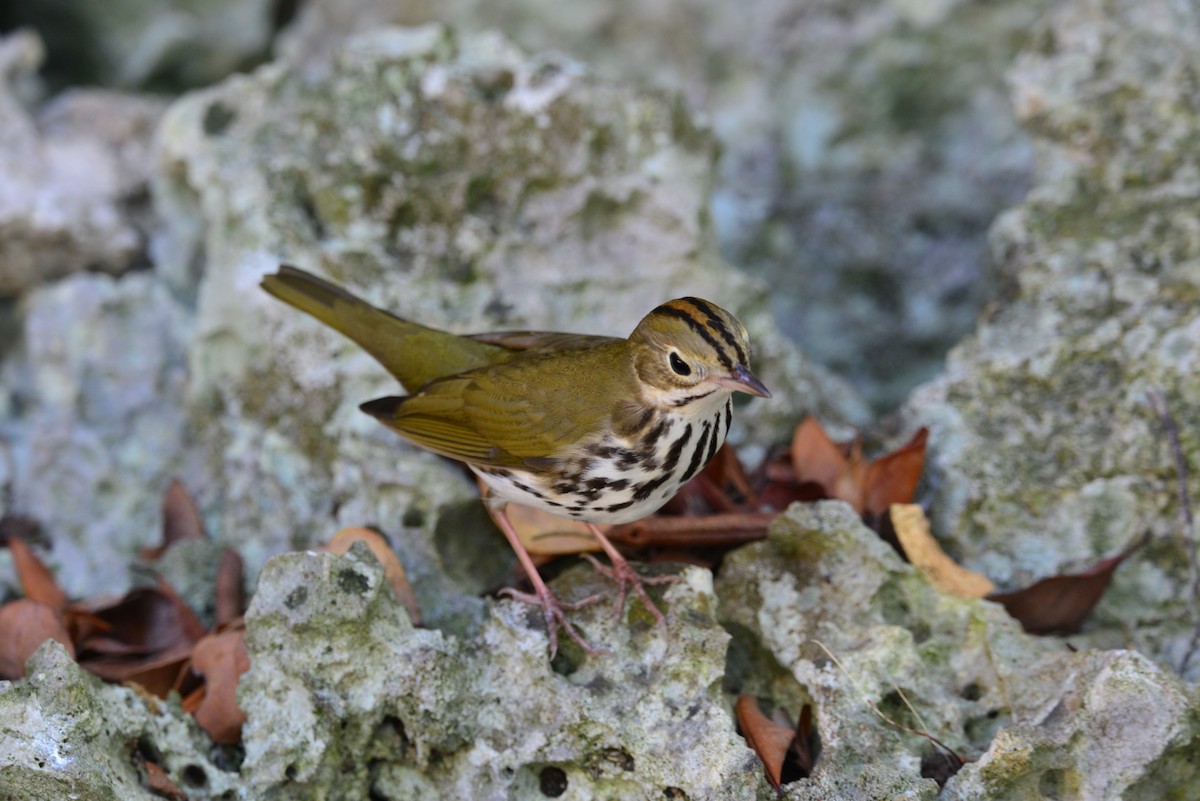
[(553, 609), (625, 576)]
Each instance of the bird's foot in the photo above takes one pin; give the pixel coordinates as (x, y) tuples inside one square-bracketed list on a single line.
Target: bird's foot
[(555, 613), (625, 577)]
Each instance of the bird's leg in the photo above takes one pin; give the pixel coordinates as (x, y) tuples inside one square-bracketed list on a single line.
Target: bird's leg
[(625, 576), (553, 609)]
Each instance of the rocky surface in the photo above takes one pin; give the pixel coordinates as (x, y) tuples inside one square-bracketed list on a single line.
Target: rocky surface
[(73, 176), (347, 700), (866, 146), (92, 420), (1046, 452), (825, 613), (67, 735), (343, 693), (138, 44)]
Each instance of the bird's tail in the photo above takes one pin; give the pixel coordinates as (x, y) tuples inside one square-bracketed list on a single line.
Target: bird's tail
[(413, 353)]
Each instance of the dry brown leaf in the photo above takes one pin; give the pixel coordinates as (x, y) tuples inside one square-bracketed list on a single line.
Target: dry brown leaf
[(221, 659), (544, 534), (37, 581), (231, 589), (841, 472), (158, 672), (816, 458), (923, 551), (767, 738), (893, 478), (24, 625), (393, 570), (159, 783), (181, 521), (1059, 604)]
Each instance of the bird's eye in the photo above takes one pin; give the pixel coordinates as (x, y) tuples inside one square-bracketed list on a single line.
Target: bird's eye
[(679, 365)]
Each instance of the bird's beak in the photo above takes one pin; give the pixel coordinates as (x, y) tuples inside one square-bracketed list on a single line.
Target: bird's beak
[(741, 379)]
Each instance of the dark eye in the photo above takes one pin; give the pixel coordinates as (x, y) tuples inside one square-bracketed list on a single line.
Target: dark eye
[(679, 365)]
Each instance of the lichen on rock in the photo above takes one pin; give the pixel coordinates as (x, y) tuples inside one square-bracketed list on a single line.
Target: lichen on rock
[(826, 613), (344, 696), (1046, 452), (65, 734)]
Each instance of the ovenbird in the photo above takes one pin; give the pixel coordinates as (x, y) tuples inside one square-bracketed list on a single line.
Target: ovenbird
[(600, 429)]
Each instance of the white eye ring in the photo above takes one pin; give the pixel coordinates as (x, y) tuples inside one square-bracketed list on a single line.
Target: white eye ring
[(678, 364)]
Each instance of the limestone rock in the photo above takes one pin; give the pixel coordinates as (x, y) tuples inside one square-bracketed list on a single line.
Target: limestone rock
[(825, 613), (92, 421), (1046, 454), (166, 45), (73, 177), (346, 700), (67, 735)]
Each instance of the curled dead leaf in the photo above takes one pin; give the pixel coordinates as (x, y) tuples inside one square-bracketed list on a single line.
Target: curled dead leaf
[(393, 570), (24, 625), (37, 582), (230, 588), (923, 551), (842, 472), (221, 659), (181, 521), (545, 534), (767, 738), (893, 477)]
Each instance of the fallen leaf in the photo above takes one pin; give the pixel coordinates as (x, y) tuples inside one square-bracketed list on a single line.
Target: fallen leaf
[(1059, 604), (923, 551), (230, 588), (393, 570), (158, 672), (843, 473), (893, 478), (37, 581), (24, 625), (221, 659), (181, 521), (816, 458), (767, 738), (159, 783)]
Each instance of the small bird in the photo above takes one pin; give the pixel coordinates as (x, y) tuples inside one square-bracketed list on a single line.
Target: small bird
[(595, 428)]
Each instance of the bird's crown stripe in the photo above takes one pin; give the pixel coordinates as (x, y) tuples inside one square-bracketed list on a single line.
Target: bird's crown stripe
[(715, 322), (687, 313)]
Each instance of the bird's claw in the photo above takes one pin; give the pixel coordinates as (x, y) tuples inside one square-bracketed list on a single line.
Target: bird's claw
[(554, 611), (623, 574)]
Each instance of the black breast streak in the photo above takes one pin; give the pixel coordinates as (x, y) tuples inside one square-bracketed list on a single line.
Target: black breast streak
[(651, 439), (642, 491), (697, 454), (728, 415), (716, 438)]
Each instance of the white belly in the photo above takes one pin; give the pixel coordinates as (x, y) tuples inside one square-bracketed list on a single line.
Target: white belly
[(616, 480)]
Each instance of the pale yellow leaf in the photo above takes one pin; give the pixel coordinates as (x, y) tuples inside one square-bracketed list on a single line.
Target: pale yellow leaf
[(922, 550)]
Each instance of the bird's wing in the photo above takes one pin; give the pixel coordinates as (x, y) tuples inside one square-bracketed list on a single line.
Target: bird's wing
[(510, 415)]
